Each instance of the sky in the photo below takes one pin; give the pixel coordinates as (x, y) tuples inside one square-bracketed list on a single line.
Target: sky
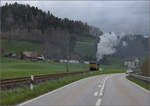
[(109, 16)]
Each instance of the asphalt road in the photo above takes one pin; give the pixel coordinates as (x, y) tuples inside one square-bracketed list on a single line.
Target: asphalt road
[(99, 90)]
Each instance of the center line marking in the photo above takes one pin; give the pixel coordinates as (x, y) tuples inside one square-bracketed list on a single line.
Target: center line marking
[(96, 93), (102, 87), (98, 103), (99, 86)]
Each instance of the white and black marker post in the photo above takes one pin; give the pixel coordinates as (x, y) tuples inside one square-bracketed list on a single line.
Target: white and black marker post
[(31, 82)]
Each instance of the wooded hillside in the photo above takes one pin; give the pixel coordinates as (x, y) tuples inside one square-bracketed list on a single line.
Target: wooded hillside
[(58, 36)]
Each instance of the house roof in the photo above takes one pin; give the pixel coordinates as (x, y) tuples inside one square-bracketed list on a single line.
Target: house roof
[(31, 54)]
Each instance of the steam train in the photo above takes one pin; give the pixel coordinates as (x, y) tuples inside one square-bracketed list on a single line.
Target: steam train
[(93, 66)]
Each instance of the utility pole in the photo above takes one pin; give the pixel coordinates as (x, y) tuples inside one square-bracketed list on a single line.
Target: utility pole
[(67, 66), (67, 52)]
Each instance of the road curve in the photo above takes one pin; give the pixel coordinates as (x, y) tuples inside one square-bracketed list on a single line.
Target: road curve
[(99, 90), (120, 91)]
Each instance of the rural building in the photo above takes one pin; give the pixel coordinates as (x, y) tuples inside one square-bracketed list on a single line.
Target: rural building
[(131, 62), (86, 62), (69, 61), (32, 56)]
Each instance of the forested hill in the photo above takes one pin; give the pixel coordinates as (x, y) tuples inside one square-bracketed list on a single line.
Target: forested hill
[(18, 16), (25, 23)]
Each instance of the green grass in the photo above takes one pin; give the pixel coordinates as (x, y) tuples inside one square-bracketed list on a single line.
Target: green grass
[(12, 68), (115, 63), (18, 95), (19, 46), (139, 82), (86, 47)]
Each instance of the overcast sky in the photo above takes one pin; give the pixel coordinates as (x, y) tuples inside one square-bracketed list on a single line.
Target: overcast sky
[(109, 16)]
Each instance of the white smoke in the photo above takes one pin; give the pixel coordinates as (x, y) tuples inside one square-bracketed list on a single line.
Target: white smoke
[(107, 44), (124, 43)]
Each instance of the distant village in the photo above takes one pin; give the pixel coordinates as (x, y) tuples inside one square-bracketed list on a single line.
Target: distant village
[(132, 62), (35, 56), (129, 62)]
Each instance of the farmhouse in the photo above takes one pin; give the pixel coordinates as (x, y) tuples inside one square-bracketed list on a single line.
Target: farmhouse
[(131, 62), (32, 56)]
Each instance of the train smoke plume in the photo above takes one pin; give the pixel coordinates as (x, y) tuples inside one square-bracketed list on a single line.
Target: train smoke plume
[(107, 44)]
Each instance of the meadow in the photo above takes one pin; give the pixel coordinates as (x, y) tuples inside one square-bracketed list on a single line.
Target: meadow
[(14, 46), (12, 68), (86, 47)]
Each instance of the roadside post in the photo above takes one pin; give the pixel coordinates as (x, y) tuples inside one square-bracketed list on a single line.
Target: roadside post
[(67, 66), (31, 83)]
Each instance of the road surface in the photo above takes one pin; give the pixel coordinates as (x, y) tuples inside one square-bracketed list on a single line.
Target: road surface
[(99, 90)]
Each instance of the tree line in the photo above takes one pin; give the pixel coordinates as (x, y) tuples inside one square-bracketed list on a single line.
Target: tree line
[(24, 16)]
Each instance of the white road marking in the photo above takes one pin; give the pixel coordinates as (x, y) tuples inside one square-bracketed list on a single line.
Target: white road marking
[(103, 86), (98, 103), (101, 94), (96, 93), (99, 86), (51, 92), (101, 91)]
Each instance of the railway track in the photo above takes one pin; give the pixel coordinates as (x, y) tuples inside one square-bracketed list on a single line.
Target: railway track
[(21, 82)]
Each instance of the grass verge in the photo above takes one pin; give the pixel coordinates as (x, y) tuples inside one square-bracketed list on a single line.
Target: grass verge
[(143, 84), (18, 95)]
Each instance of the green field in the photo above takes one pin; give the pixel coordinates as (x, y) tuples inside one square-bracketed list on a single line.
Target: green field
[(11, 68), (20, 46), (86, 48)]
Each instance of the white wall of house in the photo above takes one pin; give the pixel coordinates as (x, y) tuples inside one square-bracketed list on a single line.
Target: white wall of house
[(132, 63)]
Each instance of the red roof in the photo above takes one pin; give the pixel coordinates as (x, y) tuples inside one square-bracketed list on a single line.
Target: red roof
[(30, 54)]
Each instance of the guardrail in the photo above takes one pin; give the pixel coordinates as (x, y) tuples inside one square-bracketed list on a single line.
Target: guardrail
[(32, 80), (147, 79)]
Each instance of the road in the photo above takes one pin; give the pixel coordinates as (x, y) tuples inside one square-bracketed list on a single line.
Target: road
[(99, 90)]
